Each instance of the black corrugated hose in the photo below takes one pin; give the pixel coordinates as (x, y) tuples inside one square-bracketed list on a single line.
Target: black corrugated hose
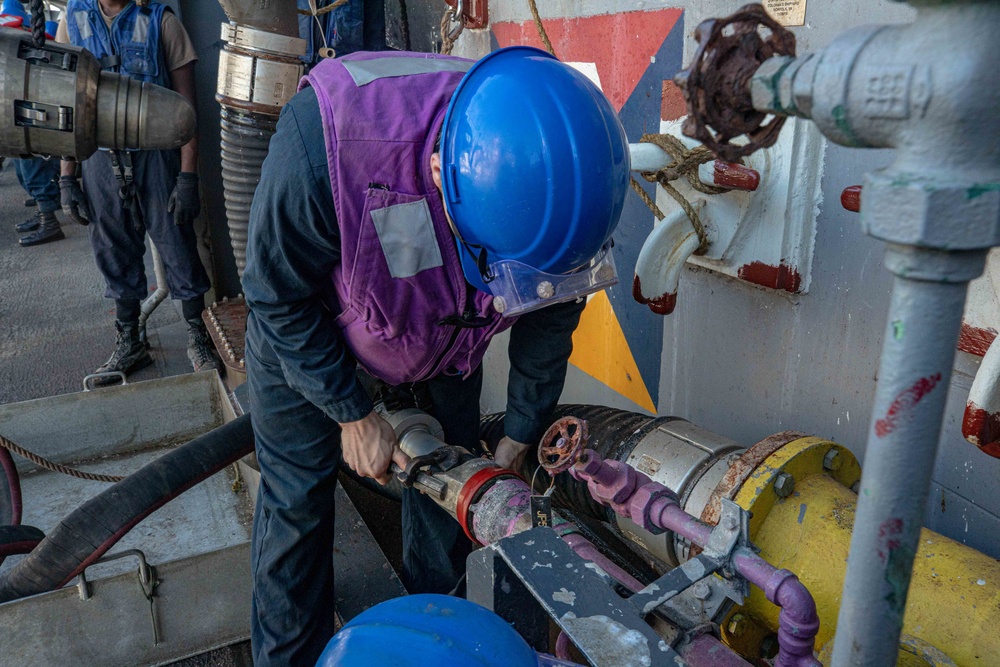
[(89, 531), (613, 434), (245, 138)]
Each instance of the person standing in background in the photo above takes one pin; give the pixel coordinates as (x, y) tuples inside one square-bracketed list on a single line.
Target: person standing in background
[(131, 193)]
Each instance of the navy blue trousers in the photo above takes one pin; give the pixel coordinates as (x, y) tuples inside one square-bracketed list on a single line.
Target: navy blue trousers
[(298, 450), (40, 179), (119, 242)]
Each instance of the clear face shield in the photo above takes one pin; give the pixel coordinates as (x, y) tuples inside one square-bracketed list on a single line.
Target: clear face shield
[(518, 288)]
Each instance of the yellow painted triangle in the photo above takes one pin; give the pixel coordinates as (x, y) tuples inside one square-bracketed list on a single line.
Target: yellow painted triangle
[(601, 351)]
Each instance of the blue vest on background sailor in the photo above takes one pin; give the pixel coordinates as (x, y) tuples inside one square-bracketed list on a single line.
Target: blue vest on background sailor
[(131, 46)]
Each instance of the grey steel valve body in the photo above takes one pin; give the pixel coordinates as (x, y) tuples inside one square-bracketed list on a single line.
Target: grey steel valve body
[(931, 90)]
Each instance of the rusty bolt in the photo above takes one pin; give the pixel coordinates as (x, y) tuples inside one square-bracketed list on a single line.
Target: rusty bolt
[(832, 460), (702, 591), (737, 625), (784, 485)]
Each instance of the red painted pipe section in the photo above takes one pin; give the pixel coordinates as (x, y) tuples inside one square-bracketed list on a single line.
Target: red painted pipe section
[(850, 198), (735, 176)]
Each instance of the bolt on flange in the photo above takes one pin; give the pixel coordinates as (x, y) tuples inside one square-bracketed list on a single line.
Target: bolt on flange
[(784, 484)]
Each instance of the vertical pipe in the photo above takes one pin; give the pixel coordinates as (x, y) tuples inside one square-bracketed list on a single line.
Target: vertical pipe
[(925, 314), (150, 303)]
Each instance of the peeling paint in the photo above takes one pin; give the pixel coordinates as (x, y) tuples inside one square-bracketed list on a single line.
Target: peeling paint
[(802, 513), (565, 596), (781, 277), (609, 642), (905, 401), (980, 189)]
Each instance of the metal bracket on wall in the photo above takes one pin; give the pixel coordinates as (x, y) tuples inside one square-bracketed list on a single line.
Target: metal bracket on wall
[(475, 13)]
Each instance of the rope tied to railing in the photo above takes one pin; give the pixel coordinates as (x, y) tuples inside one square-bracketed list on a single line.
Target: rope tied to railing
[(685, 165), (55, 467)]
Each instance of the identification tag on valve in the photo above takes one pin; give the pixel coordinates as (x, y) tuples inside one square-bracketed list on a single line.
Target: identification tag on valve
[(541, 511)]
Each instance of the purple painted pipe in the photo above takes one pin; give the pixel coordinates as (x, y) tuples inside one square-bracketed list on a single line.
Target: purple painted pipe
[(651, 505), (586, 550)]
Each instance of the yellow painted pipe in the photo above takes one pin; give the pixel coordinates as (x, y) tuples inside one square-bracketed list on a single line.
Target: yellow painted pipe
[(954, 597)]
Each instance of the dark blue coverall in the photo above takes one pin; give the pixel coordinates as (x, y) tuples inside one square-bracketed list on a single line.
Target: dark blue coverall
[(119, 242), (302, 382), (40, 179)]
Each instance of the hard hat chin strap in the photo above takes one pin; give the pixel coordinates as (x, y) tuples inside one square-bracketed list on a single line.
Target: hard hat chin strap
[(480, 258)]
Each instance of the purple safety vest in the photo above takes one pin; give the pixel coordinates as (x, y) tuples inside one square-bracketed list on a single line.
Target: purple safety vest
[(399, 282)]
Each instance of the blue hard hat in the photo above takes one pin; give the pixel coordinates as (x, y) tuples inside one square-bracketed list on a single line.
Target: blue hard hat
[(419, 630), (14, 8), (535, 164)]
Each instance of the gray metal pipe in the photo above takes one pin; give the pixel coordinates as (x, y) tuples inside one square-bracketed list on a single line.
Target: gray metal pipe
[(930, 90), (925, 315)]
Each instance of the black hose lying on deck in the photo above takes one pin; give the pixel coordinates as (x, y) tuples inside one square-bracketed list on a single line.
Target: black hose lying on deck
[(89, 531)]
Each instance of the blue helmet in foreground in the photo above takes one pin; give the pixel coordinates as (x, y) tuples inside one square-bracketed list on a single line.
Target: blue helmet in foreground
[(417, 630), (535, 168)]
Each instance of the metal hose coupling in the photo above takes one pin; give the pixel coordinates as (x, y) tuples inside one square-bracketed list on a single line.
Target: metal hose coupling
[(64, 105), (259, 71)]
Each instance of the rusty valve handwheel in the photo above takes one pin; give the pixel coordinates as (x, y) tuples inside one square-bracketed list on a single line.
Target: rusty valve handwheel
[(716, 85), (562, 444)]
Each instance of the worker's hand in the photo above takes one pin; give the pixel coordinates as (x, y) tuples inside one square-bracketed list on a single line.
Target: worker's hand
[(510, 454), (184, 202), (72, 200), (369, 446)]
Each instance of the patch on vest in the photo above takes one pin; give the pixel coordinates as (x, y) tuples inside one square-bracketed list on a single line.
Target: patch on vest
[(406, 233), (365, 71)]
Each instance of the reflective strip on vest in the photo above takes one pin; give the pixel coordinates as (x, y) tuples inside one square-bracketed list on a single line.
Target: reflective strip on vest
[(365, 71), (406, 234), (141, 29), (83, 25)]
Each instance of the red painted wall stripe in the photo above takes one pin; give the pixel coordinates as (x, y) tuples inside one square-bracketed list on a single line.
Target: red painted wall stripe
[(620, 44), (975, 340)]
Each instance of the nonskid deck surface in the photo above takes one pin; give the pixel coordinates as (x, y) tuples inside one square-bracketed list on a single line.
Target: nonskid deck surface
[(57, 324)]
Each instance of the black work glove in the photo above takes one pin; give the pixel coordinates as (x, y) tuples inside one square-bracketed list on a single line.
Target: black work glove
[(72, 199), (184, 201)]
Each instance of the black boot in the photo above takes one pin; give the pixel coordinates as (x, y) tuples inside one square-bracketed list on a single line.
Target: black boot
[(31, 224), (130, 354), (48, 229), (199, 349), (30, 202)]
